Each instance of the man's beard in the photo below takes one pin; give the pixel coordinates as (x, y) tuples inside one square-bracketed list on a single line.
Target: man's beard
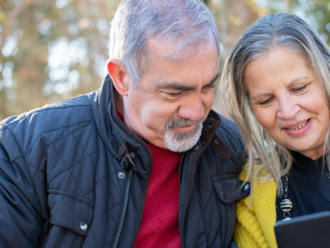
[(182, 141)]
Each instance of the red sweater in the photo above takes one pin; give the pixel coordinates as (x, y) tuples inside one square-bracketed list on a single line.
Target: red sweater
[(160, 221)]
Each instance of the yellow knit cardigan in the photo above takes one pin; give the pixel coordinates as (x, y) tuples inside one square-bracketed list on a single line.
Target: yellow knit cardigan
[(255, 225)]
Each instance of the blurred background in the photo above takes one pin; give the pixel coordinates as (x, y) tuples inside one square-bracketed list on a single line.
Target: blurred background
[(53, 50)]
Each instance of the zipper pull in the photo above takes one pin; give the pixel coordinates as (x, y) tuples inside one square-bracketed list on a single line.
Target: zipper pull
[(126, 157), (128, 162)]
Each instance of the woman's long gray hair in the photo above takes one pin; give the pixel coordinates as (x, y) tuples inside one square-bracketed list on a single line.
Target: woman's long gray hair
[(266, 34)]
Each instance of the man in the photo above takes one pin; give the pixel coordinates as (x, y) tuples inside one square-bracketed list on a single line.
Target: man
[(142, 162)]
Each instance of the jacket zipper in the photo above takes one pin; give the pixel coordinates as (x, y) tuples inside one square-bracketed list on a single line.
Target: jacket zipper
[(180, 168), (124, 210)]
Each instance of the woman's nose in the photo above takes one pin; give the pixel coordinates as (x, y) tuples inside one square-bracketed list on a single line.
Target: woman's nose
[(288, 108)]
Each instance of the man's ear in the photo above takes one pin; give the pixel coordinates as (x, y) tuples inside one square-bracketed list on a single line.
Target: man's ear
[(118, 72)]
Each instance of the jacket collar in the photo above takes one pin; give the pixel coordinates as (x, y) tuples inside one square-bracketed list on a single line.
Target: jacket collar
[(116, 136)]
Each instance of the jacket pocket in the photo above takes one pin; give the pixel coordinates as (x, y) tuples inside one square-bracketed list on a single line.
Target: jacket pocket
[(229, 188), (71, 212)]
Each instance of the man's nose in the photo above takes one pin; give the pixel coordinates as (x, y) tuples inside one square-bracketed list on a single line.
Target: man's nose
[(288, 108), (193, 109)]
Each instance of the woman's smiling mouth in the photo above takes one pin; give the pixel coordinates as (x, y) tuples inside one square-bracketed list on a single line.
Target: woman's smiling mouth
[(298, 130), (298, 126)]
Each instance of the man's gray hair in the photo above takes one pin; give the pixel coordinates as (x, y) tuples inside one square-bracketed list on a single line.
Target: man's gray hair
[(187, 24), (281, 30)]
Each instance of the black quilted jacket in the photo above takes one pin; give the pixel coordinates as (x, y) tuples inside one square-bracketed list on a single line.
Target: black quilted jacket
[(73, 175)]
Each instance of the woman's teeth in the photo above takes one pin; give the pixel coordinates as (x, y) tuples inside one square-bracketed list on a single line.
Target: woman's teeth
[(298, 127)]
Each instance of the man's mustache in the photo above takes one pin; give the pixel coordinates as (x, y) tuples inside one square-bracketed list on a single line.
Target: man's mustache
[(181, 122)]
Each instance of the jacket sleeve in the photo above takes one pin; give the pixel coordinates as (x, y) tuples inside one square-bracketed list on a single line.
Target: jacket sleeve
[(20, 223)]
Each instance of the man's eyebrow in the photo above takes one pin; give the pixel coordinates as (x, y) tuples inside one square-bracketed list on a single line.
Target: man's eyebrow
[(182, 87), (211, 84), (289, 85)]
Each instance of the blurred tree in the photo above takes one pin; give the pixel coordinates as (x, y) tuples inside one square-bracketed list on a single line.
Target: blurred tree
[(233, 17), (315, 12), (51, 50)]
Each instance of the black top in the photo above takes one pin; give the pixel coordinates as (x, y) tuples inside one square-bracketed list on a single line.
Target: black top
[(306, 188)]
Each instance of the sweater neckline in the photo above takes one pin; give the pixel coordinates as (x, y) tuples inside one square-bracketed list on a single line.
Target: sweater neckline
[(301, 160)]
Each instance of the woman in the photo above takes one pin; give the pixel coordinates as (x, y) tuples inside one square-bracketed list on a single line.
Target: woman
[(277, 86)]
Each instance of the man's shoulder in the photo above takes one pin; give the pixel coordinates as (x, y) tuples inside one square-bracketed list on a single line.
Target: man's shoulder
[(50, 118), (229, 134), (50, 111), (229, 129)]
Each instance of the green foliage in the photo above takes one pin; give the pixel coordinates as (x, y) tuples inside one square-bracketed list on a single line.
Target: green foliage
[(314, 12), (319, 15)]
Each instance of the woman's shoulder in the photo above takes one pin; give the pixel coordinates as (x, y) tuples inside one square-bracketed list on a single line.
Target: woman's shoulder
[(261, 174), (257, 216)]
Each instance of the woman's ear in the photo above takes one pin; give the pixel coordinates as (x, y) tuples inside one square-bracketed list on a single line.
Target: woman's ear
[(118, 72)]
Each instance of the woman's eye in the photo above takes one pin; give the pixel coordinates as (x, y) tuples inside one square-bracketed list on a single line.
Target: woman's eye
[(266, 102), (300, 89)]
